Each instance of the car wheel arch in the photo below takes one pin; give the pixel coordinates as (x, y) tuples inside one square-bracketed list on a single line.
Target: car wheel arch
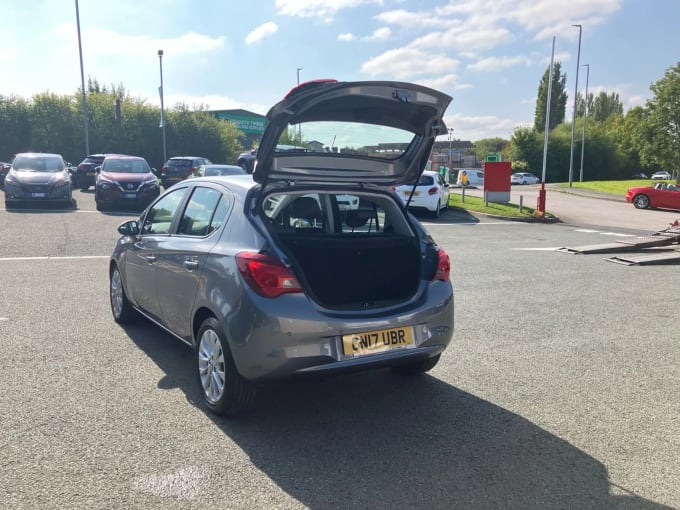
[(200, 316)]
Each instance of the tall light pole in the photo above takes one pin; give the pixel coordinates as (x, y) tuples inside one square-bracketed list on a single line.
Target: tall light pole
[(450, 155), (573, 117), (160, 91), (540, 206), (585, 116), (299, 125), (82, 85)]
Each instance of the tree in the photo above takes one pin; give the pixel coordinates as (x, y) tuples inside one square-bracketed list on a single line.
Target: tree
[(490, 145), (558, 99), (659, 133), (605, 107), (581, 105)]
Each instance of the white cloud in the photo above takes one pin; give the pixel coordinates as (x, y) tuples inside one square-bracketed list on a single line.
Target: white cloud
[(408, 62), (324, 9), (212, 102), (409, 19), (346, 37), (496, 63), (261, 32), (463, 38), (98, 41), (467, 127), (380, 34), (445, 82)]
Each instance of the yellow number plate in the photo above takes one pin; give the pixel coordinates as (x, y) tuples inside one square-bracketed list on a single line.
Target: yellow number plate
[(408, 193), (382, 340)]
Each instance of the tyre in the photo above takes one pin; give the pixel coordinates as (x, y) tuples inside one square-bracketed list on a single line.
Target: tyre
[(419, 367), (122, 310), (224, 390), (641, 201), (437, 210)]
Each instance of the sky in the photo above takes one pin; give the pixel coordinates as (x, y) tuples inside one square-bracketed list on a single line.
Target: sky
[(489, 55)]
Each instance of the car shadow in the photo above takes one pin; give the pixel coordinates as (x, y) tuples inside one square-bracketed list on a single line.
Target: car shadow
[(36, 207), (377, 440), (450, 215)]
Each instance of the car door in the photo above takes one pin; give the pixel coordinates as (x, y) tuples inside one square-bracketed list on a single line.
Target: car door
[(445, 190), (140, 262), (182, 256)]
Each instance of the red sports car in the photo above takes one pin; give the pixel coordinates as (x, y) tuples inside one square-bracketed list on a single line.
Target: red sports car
[(664, 195)]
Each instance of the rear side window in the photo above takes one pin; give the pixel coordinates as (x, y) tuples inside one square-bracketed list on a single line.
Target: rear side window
[(200, 215)]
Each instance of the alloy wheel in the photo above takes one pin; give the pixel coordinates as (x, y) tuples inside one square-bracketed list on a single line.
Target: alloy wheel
[(211, 366)]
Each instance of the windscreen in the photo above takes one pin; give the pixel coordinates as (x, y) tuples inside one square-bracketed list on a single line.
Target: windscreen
[(51, 164), (349, 138), (126, 166)]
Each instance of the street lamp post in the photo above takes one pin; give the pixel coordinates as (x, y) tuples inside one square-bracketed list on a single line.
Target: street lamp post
[(450, 154), (82, 85), (160, 91), (573, 117), (299, 125), (585, 116)]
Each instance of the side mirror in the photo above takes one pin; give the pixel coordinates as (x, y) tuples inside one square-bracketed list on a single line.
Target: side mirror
[(129, 228), (154, 171), (6, 167), (98, 169)]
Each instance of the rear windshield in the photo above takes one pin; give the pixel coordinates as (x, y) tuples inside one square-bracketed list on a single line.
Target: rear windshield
[(39, 163), (180, 162), (351, 138), (94, 159), (126, 166)]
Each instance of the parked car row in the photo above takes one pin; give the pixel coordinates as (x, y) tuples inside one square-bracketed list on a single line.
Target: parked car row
[(118, 179)]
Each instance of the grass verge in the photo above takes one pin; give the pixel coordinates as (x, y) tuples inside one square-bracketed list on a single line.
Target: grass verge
[(614, 187), (476, 204)]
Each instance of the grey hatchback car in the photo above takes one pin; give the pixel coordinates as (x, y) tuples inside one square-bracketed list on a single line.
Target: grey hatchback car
[(268, 276)]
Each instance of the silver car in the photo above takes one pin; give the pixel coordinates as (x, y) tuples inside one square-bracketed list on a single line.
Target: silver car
[(270, 275)]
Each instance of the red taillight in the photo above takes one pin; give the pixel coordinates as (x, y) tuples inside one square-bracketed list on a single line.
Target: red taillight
[(266, 275), (164, 170), (433, 191), (443, 267)]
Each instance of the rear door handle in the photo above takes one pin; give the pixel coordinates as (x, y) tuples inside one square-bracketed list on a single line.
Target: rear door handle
[(191, 264)]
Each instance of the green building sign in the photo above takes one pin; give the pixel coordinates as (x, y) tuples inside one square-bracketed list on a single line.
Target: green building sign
[(248, 124)]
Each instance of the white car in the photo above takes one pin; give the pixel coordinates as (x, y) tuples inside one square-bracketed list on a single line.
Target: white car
[(524, 178), (431, 193), (661, 176)]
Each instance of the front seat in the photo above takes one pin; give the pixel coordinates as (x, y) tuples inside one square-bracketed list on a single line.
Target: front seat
[(307, 212)]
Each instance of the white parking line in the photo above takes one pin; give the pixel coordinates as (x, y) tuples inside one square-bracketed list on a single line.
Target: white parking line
[(80, 257), (549, 248)]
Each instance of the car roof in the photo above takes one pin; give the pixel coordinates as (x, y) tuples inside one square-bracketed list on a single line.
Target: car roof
[(188, 157), (122, 156), (242, 181), (37, 154)]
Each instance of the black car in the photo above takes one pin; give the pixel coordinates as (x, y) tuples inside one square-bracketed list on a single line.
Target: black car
[(180, 167), (4, 168), (85, 174), (246, 160), (38, 177)]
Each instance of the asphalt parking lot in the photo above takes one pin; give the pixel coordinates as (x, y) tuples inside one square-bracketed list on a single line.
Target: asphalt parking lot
[(559, 390)]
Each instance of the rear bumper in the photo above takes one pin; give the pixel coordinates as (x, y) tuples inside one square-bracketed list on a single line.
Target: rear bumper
[(296, 340)]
